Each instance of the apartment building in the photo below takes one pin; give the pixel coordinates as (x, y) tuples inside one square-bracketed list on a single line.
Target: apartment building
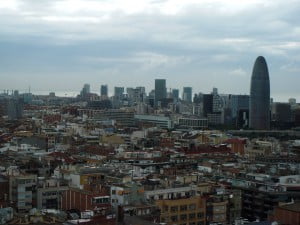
[(188, 211), (22, 192)]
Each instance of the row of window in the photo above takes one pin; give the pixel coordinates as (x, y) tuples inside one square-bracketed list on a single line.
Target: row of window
[(26, 181), (101, 201), (114, 200), (182, 208), (49, 193), (183, 217), (194, 223), (23, 204), (172, 195)]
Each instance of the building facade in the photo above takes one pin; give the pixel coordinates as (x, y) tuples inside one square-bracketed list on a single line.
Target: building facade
[(104, 90), (260, 96), (187, 94), (160, 91), (182, 210)]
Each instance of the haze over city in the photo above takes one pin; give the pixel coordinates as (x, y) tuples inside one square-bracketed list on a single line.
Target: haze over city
[(60, 45), (152, 112)]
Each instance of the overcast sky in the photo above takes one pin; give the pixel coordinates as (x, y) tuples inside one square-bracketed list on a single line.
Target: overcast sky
[(58, 45)]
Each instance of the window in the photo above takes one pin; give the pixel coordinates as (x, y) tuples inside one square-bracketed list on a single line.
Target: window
[(183, 217), (192, 206), (166, 208), (183, 207), (27, 203), (113, 192), (100, 200), (174, 218), (21, 204), (174, 208), (28, 188), (192, 216), (200, 215)]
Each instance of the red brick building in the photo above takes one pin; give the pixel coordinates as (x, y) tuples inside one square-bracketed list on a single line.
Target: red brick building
[(82, 200), (287, 214)]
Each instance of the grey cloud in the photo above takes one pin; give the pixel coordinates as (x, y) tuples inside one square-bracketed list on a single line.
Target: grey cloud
[(203, 44)]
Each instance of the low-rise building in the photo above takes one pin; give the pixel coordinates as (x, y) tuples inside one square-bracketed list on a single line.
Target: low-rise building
[(288, 214), (190, 210), (22, 192), (126, 194), (159, 121), (50, 192)]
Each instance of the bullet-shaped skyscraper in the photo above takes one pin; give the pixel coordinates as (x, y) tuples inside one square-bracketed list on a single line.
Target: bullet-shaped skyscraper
[(260, 96)]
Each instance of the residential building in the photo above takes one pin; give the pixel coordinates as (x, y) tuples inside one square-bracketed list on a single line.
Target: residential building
[(22, 192), (186, 210)]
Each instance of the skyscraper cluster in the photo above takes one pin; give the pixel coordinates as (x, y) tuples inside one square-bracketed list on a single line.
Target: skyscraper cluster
[(242, 111)]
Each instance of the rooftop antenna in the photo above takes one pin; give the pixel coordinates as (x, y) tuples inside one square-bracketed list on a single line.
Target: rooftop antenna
[(29, 89)]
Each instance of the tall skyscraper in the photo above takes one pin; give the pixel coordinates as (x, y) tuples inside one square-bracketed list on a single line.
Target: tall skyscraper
[(175, 94), (136, 95), (15, 108), (259, 116), (187, 94), (207, 104), (119, 91), (160, 90), (85, 90), (104, 90)]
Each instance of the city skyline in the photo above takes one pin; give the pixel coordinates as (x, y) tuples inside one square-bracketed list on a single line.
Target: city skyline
[(94, 90), (60, 45)]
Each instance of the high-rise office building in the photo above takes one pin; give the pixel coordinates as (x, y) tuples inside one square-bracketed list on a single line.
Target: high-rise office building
[(260, 96), (119, 91), (85, 90), (238, 102), (292, 101), (160, 90), (207, 104), (136, 95), (15, 108), (239, 105), (281, 112), (187, 94), (104, 90), (175, 94)]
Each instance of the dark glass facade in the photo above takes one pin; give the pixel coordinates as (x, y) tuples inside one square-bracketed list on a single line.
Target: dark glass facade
[(160, 90), (260, 96)]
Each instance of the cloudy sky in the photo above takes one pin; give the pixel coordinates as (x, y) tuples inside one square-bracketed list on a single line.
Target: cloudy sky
[(58, 45)]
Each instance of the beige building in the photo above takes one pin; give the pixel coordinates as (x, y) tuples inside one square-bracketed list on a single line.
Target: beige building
[(258, 148), (188, 211)]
